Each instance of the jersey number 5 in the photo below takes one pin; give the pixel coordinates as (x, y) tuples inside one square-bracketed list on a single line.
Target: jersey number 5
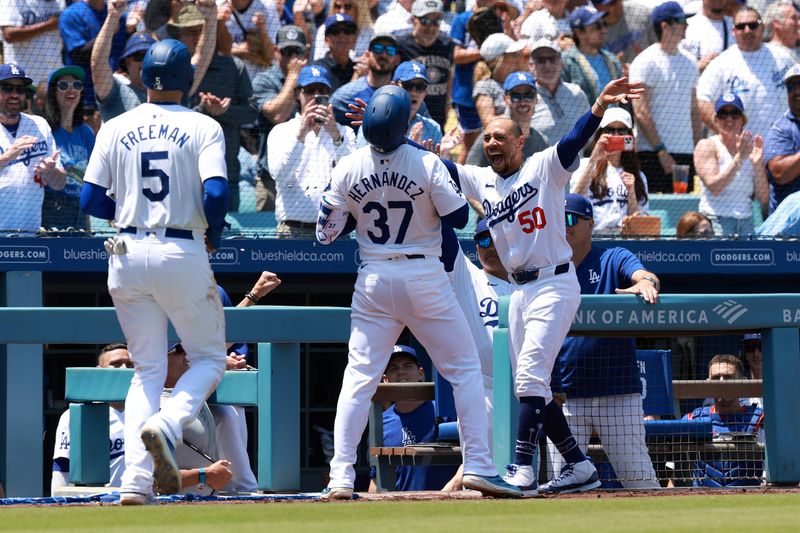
[(148, 172), (532, 220), (383, 218)]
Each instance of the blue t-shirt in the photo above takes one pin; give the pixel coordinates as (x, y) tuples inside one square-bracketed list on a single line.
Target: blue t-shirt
[(600, 68), (240, 348), (347, 94), (402, 429), (783, 138), (75, 147), (462, 74), (601, 366)]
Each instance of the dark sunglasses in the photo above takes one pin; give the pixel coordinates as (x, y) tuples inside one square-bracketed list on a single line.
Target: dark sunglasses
[(7, 88), (522, 97), (338, 30), (792, 86), (316, 90), (725, 113), (617, 131), (752, 25), (484, 241), (293, 51), (546, 59), (677, 20), (411, 86), (388, 49), (428, 21), (64, 85), (138, 56), (345, 7), (596, 26), (572, 219)]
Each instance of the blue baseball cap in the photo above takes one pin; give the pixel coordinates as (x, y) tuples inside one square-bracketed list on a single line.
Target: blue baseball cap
[(313, 74), (138, 42), (70, 70), (731, 100), (516, 79), (584, 16), (339, 18), (12, 71), (749, 337), (408, 351), (667, 11), (410, 70), (578, 205), (481, 227)]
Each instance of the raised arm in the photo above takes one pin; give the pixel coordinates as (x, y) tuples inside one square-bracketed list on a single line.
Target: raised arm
[(208, 42)]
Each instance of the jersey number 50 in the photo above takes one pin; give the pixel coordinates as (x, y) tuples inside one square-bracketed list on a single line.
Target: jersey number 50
[(532, 220), (148, 172)]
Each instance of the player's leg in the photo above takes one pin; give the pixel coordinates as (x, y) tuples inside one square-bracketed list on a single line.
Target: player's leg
[(231, 431), (621, 430), (580, 418)]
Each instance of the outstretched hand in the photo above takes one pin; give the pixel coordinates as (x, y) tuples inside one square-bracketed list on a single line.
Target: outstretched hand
[(620, 91), (356, 115)]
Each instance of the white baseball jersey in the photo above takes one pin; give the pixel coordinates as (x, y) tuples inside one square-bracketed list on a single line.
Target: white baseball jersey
[(159, 154), (39, 55), (397, 204), (21, 190), (525, 211)]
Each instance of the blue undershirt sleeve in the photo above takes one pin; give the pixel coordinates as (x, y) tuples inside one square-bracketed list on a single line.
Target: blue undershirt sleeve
[(570, 144), (95, 202)]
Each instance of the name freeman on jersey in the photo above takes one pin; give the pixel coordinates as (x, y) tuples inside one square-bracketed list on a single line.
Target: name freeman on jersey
[(391, 179), (37, 150), (506, 209), (153, 131)]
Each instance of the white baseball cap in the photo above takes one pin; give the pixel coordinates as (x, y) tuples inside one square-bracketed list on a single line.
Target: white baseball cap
[(792, 72), (617, 114), (498, 44), (544, 42)]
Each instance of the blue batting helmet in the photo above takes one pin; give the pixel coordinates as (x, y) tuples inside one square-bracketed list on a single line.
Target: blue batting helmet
[(386, 118), (168, 66)]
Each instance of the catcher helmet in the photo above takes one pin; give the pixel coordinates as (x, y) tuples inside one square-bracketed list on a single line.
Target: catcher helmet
[(168, 66), (386, 118)]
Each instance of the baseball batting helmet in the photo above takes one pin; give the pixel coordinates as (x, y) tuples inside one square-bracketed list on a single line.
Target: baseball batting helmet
[(386, 118), (168, 66)]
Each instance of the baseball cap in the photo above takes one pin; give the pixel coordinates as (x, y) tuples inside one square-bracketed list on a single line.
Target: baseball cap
[(138, 42), (731, 100), (602, 2), (384, 36), (312, 74), (425, 7), (481, 227), (290, 36), (750, 337), (667, 11), (410, 70), (617, 114), (408, 351), (71, 70), (188, 17), (12, 71), (498, 44), (585, 16), (578, 205), (339, 18), (792, 72), (545, 43), (516, 79)]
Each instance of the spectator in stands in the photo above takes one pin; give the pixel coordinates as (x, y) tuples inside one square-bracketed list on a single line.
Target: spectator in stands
[(340, 36), (79, 25), (709, 33), (410, 422), (600, 375), (612, 180), (359, 11), (396, 18), (75, 141), (549, 22), (302, 153), (382, 58), (628, 27), (729, 415), (274, 99), (782, 145), (426, 44), (781, 27), (667, 116), (694, 225), (559, 103), (587, 63), (752, 354), (253, 26), (731, 169), (501, 56), (30, 36), (519, 96), (413, 77), (117, 93), (749, 70)]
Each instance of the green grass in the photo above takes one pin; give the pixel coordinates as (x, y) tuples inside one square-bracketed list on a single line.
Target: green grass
[(732, 512)]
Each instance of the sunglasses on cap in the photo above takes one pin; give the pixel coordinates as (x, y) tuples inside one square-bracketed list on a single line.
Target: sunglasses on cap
[(414, 86), (342, 29), (388, 49), (484, 241), (725, 113), (752, 25), (572, 219), (430, 21), (522, 97), (64, 85), (8, 88)]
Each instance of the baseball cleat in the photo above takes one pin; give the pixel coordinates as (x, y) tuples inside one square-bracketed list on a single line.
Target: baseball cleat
[(336, 493), (491, 486), (577, 477), (521, 476), (136, 498), (165, 469)]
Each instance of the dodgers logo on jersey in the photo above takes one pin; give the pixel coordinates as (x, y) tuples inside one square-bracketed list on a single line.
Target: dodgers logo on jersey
[(408, 437), (594, 277), (506, 209), (489, 312)]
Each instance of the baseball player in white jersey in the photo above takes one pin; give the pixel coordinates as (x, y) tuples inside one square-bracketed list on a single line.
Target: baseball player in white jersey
[(28, 156), (524, 205), (164, 167), (396, 194)]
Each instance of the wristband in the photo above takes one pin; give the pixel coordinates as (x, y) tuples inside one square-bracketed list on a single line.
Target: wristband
[(651, 279), (600, 104), (659, 148), (252, 297), (201, 474)]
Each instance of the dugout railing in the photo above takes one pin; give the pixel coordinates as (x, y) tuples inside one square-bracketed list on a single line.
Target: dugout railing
[(24, 331)]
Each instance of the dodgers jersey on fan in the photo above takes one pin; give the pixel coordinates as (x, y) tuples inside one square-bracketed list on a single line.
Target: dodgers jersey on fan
[(163, 153), (116, 445), (525, 211), (396, 198)]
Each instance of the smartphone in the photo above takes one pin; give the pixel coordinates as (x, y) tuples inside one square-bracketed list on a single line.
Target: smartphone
[(620, 143), (321, 99)]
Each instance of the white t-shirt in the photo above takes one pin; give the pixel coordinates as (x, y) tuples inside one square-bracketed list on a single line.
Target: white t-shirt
[(153, 160), (39, 55), (671, 79), (272, 22), (396, 199), (735, 200), (705, 36), (609, 211), (756, 77), (542, 25), (525, 211)]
